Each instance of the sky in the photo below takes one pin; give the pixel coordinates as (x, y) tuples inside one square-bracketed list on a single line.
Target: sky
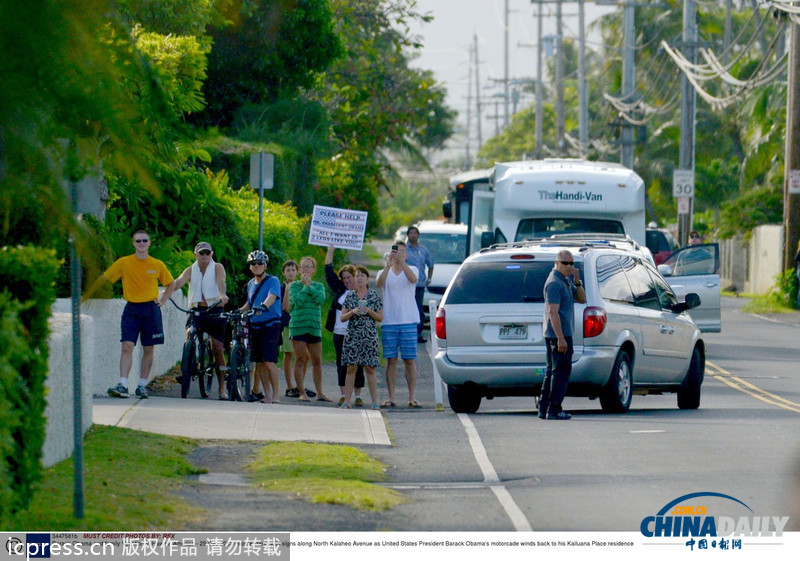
[(448, 38)]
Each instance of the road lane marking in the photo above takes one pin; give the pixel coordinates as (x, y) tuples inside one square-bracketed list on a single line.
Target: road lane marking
[(518, 518), (505, 499), (752, 390)]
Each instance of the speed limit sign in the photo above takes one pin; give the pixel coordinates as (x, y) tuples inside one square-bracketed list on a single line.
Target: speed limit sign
[(683, 183)]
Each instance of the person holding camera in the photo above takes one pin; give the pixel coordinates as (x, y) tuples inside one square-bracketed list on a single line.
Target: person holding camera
[(398, 280)]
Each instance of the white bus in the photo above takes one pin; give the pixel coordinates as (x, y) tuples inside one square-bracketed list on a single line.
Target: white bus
[(541, 198)]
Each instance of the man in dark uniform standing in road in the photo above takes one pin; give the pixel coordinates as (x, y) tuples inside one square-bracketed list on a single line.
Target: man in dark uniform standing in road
[(560, 294)]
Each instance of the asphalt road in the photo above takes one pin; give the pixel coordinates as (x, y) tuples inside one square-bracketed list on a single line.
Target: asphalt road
[(503, 469)]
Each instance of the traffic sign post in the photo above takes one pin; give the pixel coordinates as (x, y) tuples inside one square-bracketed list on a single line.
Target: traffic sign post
[(262, 172), (683, 190)]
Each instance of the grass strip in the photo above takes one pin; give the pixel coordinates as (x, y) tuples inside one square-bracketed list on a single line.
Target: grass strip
[(324, 473), (129, 482)]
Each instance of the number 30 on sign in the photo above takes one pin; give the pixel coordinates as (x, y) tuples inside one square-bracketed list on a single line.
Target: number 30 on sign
[(683, 183)]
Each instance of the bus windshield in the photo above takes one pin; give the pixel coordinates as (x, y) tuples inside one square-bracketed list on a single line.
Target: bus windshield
[(530, 228)]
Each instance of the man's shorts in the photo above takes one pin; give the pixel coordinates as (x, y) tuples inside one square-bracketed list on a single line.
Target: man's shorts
[(264, 342), (399, 337), (210, 321), (142, 319)]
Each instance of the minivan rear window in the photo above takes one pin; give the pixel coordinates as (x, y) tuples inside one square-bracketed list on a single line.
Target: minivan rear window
[(507, 282)]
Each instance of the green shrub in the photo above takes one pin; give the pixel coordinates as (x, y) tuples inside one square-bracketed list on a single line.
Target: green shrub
[(29, 292), (785, 288)]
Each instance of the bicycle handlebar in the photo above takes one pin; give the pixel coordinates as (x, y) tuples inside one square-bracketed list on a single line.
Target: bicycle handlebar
[(192, 310), (236, 314)]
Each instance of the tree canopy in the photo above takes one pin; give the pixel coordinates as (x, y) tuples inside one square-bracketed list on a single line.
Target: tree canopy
[(739, 146)]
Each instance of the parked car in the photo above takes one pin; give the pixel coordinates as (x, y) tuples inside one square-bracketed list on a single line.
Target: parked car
[(661, 243), (633, 335), (448, 245)]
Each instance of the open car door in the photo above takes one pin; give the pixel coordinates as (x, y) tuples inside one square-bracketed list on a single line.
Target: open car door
[(481, 219), (696, 269)]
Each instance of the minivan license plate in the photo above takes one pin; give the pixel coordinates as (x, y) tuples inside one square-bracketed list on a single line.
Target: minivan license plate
[(514, 332)]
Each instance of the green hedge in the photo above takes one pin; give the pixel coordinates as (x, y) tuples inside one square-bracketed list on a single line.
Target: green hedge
[(25, 301)]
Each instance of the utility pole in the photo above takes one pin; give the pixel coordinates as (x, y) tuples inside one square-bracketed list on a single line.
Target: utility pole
[(628, 79), (467, 158), (791, 189), (688, 111), (560, 119), (478, 92), (726, 41), (583, 94), (539, 47), (505, 70)]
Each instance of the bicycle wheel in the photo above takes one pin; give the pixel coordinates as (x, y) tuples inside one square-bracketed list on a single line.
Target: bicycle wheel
[(239, 375), (206, 368), (188, 366)]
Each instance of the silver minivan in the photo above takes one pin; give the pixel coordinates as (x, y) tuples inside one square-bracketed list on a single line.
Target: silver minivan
[(633, 335)]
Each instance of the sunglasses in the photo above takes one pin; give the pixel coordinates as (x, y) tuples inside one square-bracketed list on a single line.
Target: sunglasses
[(142, 241), (570, 263), (204, 252), (251, 263), (694, 237)]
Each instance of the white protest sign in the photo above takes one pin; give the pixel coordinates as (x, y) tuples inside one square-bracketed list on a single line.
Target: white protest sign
[(338, 226)]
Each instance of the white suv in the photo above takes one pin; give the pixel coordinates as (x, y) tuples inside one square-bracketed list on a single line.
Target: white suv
[(448, 245), (631, 336)]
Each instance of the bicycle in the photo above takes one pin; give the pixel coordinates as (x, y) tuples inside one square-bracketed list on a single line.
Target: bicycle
[(198, 360), (239, 362)]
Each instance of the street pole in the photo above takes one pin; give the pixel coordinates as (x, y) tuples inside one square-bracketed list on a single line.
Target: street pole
[(539, 49), (560, 118), (583, 95), (688, 110), (77, 390), (469, 113), (505, 66), (791, 189), (628, 79), (478, 93)]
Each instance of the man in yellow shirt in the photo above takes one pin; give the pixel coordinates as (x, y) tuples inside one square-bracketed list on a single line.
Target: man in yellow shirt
[(140, 276)]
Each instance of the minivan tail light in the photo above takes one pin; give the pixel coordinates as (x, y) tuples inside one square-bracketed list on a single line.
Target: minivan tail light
[(594, 321), (441, 324)]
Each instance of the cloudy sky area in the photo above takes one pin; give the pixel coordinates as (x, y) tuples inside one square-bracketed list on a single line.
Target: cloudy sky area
[(449, 37)]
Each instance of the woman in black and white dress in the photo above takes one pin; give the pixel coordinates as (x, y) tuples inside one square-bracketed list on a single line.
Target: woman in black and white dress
[(362, 309)]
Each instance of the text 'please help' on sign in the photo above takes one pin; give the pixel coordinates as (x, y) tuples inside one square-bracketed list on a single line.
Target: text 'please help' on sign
[(338, 226)]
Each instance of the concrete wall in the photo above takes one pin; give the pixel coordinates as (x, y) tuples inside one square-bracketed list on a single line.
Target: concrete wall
[(766, 255), (105, 348), (59, 438), (100, 346), (753, 265)]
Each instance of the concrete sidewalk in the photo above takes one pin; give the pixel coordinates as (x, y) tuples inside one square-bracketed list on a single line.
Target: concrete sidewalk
[(229, 420)]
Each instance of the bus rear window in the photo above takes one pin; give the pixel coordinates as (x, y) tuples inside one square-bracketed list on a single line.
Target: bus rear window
[(500, 283)]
